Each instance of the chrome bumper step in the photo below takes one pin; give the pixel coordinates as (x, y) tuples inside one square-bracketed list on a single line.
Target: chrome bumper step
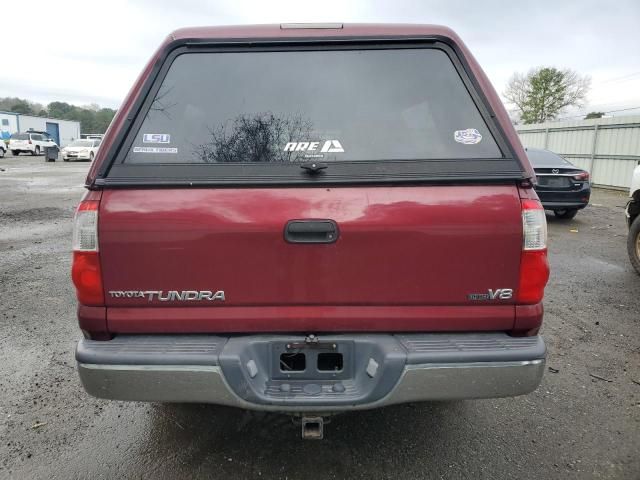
[(240, 371)]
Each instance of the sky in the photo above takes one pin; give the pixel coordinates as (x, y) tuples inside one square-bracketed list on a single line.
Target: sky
[(91, 51)]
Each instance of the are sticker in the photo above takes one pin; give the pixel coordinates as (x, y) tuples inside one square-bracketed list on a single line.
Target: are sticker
[(470, 136), (156, 138), (155, 150), (329, 146)]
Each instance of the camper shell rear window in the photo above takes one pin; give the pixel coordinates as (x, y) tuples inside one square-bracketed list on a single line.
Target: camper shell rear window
[(398, 112)]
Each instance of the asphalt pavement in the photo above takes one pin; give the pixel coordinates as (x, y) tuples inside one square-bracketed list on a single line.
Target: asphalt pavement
[(582, 422)]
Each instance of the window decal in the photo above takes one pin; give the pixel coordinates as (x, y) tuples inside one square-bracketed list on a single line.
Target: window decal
[(156, 138), (155, 150), (470, 136)]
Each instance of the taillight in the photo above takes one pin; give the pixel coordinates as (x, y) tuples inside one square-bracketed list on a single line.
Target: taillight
[(29, 142), (86, 272), (534, 267), (581, 176)]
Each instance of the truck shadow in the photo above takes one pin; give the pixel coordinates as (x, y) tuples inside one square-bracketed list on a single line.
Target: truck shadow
[(247, 444)]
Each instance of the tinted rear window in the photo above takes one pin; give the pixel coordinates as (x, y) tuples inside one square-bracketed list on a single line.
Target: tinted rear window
[(545, 158), (291, 106), (20, 136)]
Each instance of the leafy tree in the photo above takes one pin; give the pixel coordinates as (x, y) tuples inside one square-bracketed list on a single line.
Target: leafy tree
[(102, 119), (18, 105), (36, 108), (85, 117), (59, 109), (92, 106), (544, 92), (22, 106), (6, 103), (591, 115), (92, 118)]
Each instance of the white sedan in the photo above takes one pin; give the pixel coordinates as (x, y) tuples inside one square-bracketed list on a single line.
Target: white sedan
[(81, 150)]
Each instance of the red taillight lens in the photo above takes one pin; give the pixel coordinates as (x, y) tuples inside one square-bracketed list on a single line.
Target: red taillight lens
[(29, 142), (534, 274), (534, 267), (582, 176), (87, 277), (85, 271)]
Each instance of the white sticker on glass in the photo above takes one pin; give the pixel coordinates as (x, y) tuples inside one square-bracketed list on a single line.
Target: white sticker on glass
[(330, 146), (470, 136), (156, 138), (155, 150)]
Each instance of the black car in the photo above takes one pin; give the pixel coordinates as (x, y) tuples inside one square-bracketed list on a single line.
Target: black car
[(561, 186)]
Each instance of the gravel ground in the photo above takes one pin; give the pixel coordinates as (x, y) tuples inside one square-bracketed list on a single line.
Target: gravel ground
[(583, 421)]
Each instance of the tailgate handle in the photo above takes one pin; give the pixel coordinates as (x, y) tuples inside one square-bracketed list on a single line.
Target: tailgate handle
[(311, 231)]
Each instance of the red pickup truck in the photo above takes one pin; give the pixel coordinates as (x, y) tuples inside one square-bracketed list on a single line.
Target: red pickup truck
[(310, 219)]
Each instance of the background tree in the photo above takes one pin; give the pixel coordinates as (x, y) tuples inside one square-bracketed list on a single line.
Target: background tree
[(19, 105), (102, 119), (59, 109), (544, 92), (591, 115), (92, 118), (22, 106)]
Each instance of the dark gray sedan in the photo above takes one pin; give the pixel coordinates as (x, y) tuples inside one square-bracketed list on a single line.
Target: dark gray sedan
[(561, 186)]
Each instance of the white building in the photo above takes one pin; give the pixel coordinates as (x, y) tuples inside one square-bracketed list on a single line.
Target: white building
[(62, 131)]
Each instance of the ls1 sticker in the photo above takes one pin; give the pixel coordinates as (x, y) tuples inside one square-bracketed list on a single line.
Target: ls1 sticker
[(470, 136), (156, 138)]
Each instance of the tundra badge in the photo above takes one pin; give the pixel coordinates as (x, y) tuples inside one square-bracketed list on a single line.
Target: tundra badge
[(170, 296)]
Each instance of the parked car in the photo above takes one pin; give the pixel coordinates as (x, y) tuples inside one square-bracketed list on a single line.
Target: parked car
[(31, 142), (45, 135), (3, 148), (81, 150), (633, 220), (561, 186), (374, 238), (98, 136)]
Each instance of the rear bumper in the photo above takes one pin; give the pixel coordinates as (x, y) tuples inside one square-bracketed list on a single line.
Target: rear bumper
[(563, 205), (408, 368), (553, 200), (22, 148)]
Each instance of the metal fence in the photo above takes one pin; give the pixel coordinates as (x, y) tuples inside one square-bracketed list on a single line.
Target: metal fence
[(609, 148)]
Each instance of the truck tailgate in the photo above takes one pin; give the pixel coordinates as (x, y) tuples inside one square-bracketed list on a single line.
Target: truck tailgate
[(405, 258)]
